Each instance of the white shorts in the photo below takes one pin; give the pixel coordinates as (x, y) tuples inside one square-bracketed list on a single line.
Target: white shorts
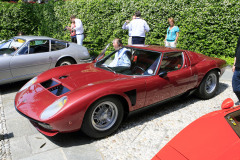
[(170, 44)]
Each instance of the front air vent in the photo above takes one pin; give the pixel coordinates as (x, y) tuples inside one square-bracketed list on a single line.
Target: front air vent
[(49, 83), (58, 90)]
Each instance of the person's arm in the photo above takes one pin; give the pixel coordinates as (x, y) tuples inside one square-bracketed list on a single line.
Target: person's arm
[(177, 37), (233, 67), (125, 25), (146, 27)]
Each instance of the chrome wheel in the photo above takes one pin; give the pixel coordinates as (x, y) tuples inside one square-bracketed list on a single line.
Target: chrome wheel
[(65, 63), (211, 83), (104, 116)]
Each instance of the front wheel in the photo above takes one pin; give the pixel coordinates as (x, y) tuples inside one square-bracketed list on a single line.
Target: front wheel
[(103, 117), (209, 85)]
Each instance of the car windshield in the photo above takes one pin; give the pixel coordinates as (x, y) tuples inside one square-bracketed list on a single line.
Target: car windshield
[(10, 46), (131, 61)]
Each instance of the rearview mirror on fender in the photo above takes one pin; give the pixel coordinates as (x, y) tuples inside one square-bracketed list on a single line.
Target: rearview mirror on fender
[(163, 74)]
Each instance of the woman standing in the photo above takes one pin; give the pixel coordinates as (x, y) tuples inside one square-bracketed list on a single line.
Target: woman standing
[(172, 34)]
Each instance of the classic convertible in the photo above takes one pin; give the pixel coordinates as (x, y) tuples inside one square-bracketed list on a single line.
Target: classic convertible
[(95, 97), (213, 136), (24, 57)]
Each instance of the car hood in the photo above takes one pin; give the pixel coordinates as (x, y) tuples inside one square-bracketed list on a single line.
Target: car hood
[(209, 137), (89, 75)]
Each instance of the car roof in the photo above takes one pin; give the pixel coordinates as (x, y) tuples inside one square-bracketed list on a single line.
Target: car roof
[(155, 48), (27, 38)]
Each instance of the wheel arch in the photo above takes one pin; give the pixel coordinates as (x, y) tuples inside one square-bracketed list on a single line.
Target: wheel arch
[(120, 97)]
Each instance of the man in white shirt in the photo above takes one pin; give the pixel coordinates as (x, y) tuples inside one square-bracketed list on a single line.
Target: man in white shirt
[(126, 26), (78, 28), (138, 27)]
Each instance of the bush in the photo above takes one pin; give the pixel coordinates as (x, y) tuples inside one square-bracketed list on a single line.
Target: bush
[(210, 27)]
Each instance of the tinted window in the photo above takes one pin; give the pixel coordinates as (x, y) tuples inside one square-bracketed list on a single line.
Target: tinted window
[(57, 45), (38, 46), (171, 62)]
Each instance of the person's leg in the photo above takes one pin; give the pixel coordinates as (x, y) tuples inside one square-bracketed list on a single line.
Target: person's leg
[(130, 41), (80, 39), (167, 44), (173, 44), (236, 83)]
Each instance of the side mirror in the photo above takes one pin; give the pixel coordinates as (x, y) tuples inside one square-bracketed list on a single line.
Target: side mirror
[(163, 74), (227, 103)]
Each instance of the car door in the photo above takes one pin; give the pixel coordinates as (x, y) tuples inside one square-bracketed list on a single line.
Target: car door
[(178, 80), (31, 59), (5, 71)]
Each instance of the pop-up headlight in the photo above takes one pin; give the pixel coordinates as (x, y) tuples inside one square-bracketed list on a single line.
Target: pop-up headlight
[(28, 84)]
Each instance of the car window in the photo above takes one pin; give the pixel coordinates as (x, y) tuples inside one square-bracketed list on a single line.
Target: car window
[(233, 120), (35, 46), (131, 61), (171, 61), (58, 45), (10, 46)]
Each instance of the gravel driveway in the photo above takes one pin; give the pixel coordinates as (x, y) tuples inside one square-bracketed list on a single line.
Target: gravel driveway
[(143, 134)]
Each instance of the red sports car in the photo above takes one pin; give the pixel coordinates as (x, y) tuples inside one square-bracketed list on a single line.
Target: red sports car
[(94, 97), (214, 136)]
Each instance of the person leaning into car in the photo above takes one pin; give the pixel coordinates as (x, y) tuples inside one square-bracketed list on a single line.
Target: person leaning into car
[(121, 58), (138, 27), (78, 28), (236, 70)]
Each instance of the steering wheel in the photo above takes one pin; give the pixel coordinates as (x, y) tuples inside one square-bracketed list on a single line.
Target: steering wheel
[(136, 67)]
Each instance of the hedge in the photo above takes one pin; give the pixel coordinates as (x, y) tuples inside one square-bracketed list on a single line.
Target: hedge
[(210, 27)]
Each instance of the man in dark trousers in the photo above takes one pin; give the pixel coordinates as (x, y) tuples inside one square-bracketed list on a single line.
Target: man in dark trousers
[(236, 70), (138, 27)]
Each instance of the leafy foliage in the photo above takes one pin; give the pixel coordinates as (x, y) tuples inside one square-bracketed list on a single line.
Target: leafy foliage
[(210, 27)]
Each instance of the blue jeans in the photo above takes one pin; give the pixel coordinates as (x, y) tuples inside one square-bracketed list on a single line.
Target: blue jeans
[(236, 83)]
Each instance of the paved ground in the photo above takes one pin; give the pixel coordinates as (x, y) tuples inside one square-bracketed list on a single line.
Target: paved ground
[(20, 140)]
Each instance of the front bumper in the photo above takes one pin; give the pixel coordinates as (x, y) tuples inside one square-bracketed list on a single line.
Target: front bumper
[(44, 128)]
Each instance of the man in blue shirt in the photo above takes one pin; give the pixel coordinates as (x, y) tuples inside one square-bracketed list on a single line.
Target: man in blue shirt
[(138, 27), (121, 56)]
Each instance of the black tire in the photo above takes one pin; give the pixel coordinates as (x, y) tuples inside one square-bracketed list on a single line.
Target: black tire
[(209, 85), (94, 123), (66, 61)]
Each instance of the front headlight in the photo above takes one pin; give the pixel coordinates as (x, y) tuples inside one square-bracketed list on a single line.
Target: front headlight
[(28, 84), (53, 108)]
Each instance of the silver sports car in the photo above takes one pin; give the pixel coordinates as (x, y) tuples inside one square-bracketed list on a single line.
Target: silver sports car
[(24, 57)]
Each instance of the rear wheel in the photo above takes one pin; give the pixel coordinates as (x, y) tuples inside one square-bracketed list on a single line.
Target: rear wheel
[(103, 117), (208, 86), (64, 62)]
